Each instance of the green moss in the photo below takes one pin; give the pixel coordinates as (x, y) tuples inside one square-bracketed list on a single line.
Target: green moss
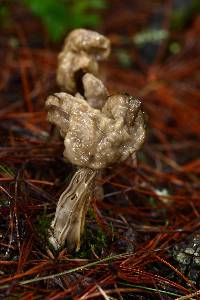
[(43, 222), (153, 201), (94, 238), (91, 213), (174, 47), (181, 17), (5, 170), (4, 16)]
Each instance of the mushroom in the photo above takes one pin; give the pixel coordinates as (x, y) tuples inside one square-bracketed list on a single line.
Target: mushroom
[(94, 91), (93, 139), (81, 52)]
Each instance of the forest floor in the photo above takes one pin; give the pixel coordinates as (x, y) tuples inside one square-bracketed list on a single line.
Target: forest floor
[(136, 239)]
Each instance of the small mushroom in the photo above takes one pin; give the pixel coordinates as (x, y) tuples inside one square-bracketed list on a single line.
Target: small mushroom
[(81, 52), (94, 91), (93, 139)]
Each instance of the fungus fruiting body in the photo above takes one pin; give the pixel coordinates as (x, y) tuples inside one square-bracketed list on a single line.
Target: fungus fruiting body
[(81, 52), (96, 138), (69, 220), (98, 131)]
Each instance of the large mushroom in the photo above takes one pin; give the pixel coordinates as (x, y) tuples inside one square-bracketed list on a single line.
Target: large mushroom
[(93, 139)]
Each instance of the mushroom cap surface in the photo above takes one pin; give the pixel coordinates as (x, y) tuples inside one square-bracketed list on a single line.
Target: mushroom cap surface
[(96, 138), (95, 92), (92, 42), (81, 52)]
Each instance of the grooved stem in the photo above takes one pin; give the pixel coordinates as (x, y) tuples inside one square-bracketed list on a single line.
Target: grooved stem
[(69, 220)]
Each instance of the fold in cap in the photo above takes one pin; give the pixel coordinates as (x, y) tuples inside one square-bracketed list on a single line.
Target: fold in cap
[(96, 138), (81, 52)]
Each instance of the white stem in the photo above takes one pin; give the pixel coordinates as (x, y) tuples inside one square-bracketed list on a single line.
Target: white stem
[(69, 220)]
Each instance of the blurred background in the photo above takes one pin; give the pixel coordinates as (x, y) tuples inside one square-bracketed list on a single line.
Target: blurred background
[(150, 211)]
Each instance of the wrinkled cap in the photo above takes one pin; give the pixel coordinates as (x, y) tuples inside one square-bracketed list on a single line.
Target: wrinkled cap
[(91, 42), (81, 52), (96, 138)]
